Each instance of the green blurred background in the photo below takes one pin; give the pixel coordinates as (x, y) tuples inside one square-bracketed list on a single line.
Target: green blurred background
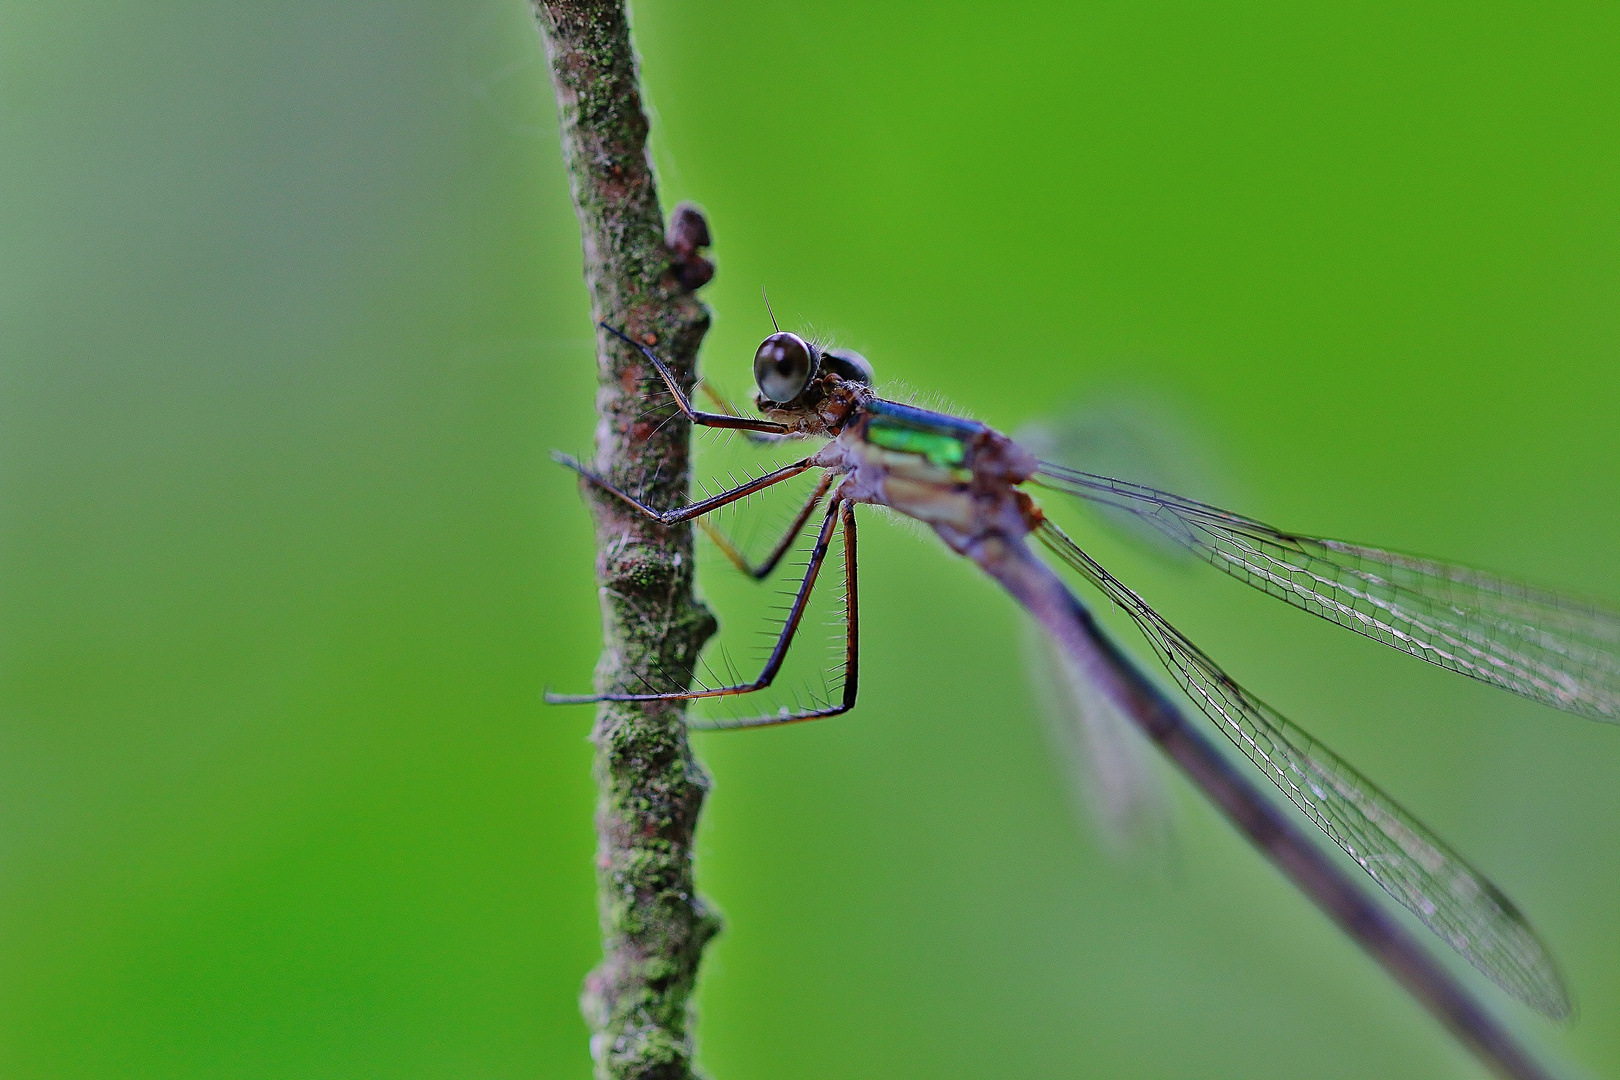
[(291, 313)]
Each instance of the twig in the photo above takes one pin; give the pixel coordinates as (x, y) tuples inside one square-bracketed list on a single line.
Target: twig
[(654, 925)]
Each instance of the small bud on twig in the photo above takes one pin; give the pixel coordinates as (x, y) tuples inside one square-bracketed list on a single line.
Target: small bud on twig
[(688, 233)]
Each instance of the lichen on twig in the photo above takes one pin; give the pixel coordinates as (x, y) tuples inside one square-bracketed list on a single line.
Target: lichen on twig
[(650, 787)]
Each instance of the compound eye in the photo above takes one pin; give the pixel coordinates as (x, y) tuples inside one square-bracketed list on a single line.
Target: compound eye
[(848, 365), (783, 367)]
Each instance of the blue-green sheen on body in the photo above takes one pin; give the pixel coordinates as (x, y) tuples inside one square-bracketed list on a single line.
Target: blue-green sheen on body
[(937, 446)]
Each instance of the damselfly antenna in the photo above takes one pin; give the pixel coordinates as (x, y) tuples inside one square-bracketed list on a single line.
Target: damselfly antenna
[(768, 310)]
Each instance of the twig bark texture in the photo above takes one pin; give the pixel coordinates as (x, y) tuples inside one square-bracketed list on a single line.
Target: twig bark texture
[(654, 925)]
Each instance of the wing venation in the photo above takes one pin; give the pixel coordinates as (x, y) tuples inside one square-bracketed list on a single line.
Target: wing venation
[(1399, 852), (1551, 648)]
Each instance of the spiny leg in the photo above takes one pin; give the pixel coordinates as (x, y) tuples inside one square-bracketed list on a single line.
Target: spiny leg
[(818, 555), (851, 652), (724, 405), (697, 509), (706, 419), (763, 570)]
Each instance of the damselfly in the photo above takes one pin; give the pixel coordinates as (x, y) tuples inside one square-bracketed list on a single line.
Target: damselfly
[(968, 483)]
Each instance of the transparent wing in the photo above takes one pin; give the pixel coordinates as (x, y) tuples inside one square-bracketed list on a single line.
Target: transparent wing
[(1413, 865), (1551, 648), (1138, 437), (1108, 764)]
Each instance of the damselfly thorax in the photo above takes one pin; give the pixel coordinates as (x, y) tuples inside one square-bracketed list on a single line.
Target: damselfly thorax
[(954, 475)]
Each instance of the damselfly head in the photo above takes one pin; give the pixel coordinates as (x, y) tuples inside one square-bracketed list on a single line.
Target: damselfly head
[(784, 366), (848, 365)]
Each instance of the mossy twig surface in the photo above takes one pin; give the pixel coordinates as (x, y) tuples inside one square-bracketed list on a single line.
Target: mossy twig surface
[(654, 925)]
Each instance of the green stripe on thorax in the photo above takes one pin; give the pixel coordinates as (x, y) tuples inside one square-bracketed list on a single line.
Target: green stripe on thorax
[(937, 446)]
